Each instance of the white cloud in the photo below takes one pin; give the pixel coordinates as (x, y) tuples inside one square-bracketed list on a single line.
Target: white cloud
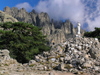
[(93, 16), (25, 5), (94, 23), (62, 9)]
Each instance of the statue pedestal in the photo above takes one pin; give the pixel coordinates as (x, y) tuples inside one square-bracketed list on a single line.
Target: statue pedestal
[(77, 35)]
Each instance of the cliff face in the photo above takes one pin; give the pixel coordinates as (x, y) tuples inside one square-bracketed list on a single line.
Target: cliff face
[(56, 32), (21, 15), (6, 17)]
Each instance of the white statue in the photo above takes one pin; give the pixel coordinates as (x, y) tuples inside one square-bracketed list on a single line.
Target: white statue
[(78, 28)]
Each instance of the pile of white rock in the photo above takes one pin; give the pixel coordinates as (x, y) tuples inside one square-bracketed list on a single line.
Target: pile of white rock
[(76, 55)]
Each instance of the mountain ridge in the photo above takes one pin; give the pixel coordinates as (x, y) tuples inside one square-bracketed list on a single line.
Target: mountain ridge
[(56, 31)]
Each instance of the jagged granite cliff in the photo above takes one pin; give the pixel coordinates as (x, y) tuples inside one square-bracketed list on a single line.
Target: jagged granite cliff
[(57, 32)]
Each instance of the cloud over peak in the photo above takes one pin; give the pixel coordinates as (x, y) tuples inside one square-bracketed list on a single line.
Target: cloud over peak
[(25, 5), (87, 12), (62, 9)]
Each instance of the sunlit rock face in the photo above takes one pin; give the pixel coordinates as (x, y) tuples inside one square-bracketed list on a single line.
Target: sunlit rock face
[(6, 17)]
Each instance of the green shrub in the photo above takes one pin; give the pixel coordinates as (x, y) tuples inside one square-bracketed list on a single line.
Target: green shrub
[(23, 40), (94, 34)]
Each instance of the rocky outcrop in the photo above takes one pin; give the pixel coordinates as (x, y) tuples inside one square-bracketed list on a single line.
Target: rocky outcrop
[(76, 55), (68, 28), (7, 10), (56, 31), (21, 15), (57, 37), (33, 15), (6, 18), (42, 19)]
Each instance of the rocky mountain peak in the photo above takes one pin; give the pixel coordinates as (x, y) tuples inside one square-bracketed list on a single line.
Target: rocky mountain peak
[(14, 11), (14, 8), (7, 10), (22, 10), (44, 17), (67, 27), (33, 11)]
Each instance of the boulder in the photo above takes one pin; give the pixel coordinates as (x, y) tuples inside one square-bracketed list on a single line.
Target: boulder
[(53, 59), (61, 59), (32, 62), (97, 68), (87, 65), (95, 53), (67, 58), (45, 54), (51, 73), (37, 59), (5, 52), (61, 66)]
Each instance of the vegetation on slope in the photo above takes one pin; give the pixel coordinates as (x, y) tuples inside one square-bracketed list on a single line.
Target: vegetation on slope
[(94, 34), (23, 40)]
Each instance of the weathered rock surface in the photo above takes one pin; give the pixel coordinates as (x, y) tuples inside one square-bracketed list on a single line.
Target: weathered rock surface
[(4, 17)]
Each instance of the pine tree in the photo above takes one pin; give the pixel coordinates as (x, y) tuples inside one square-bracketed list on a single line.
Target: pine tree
[(94, 34), (23, 40)]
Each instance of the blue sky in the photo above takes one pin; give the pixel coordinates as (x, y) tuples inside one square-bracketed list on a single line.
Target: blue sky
[(13, 3), (87, 12)]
